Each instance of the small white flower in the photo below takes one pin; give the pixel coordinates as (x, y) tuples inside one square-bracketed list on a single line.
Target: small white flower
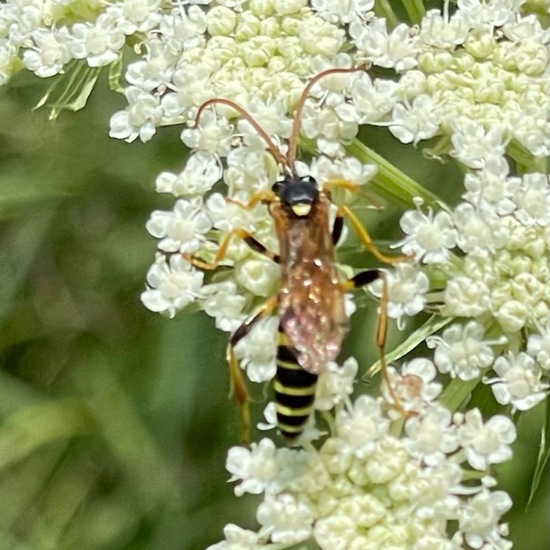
[(259, 276), (486, 443), (237, 538), (324, 170), (519, 382), (288, 520), (183, 229), (461, 351), (256, 468), (257, 351), (250, 169), (443, 32), (465, 297), (361, 427), (429, 237), (140, 119), (372, 100), (173, 284), (477, 229), (473, 144), (478, 520), (136, 15), (200, 174), (532, 200), (397, 50), (432, 435), (99, 42), (50, 52), (538, 347), (342, 11), (415, 122), (335, 384), (386, 462), (406, 287), (213, 135), (414, 386), (221, 301)]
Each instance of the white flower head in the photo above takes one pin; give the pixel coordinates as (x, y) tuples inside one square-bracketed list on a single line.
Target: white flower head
[(288, 519), (538, 347), (406, 289), (414, 386), (237, 538), (361, 427), (473, 144), (486, 443), (256, 468), (461, 350), (432, 435), (429, 237), (257, 351), (183, 229), (225, 304), (99, 42), (198, 177), (478, 520), (519, 381), (173, 284), (335, 384)]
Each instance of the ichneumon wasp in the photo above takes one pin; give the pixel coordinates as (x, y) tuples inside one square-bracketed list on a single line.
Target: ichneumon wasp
[(310, 299)]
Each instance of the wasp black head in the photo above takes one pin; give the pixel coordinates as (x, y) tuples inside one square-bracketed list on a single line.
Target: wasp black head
[(298, 194)]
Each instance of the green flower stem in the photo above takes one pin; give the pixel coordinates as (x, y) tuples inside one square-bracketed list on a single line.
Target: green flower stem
[(383, 8), (457, 393), (525, 160), (415, 10), (390, 183), (71, 90)]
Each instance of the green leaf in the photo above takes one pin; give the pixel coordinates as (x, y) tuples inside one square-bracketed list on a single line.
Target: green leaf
[(30, 428), (20, 244), (389, 182), (115, 76), (457, 393), (542, 458), (71, 90), (432, 325)]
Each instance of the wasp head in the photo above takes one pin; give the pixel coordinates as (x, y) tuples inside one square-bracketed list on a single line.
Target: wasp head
[(298, 194)]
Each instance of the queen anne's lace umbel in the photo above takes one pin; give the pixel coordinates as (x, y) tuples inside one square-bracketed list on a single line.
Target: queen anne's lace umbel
[(477, 81)]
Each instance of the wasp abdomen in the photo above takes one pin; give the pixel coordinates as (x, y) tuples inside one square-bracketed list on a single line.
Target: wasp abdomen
[(294, 393)]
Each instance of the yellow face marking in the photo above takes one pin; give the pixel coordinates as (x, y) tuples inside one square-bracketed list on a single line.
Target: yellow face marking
[(301, 209)]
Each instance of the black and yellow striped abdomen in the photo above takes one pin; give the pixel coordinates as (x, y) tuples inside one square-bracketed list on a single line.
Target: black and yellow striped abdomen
[(294, 391)]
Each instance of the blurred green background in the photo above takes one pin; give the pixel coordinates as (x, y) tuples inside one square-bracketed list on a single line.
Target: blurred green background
[(115, 421)]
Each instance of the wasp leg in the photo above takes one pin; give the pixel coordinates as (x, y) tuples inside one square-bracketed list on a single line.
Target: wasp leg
[(359, 228), (365, 278), (237, 381), (266, 197), (247, 237)]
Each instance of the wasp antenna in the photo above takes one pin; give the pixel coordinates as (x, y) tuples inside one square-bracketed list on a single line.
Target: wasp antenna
[(279, 157), (293, 142)]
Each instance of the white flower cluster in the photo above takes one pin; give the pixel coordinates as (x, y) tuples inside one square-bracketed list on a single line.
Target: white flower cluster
[(492, 254), (487, 62), (367, 489)]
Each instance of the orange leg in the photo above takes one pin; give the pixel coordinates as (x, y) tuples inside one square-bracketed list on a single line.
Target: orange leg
[(238, 384), (359, 228)]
